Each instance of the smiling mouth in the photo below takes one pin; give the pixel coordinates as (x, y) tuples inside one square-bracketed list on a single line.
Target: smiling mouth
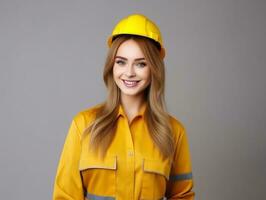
[(131, 83)]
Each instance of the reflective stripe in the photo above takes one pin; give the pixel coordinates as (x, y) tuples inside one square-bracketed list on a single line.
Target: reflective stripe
[(97, 197), (180, 177)]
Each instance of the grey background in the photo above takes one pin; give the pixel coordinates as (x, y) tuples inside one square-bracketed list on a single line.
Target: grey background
[(51, 61)]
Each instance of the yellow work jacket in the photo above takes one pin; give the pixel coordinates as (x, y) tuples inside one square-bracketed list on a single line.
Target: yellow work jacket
[(132, 169)]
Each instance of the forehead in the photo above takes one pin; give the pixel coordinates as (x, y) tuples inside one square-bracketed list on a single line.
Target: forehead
[(130, 49)]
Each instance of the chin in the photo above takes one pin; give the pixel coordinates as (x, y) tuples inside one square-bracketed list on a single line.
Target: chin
[(130, 93)]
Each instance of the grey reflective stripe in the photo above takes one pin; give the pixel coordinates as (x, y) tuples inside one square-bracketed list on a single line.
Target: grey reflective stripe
[(180, 177), (97, 197)]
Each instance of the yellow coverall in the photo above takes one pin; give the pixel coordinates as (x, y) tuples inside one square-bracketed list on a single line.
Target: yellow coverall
[(132, 169)]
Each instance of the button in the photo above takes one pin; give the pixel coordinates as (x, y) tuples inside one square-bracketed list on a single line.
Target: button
[(130, 153)]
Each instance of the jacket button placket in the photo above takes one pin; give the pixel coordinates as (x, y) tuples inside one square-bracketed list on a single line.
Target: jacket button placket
[(130, 160)]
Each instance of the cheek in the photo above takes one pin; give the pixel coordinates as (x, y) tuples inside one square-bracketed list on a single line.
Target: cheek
[(115, 72), (147, 74), (118, 69)]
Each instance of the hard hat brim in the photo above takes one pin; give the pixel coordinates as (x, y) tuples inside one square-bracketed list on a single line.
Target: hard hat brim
[(162, 50)]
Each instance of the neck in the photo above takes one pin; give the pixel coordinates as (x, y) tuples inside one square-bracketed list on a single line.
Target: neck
[(132, 104)]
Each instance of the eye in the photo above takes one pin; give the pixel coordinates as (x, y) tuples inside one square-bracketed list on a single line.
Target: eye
[(120, 62), (141, 64)]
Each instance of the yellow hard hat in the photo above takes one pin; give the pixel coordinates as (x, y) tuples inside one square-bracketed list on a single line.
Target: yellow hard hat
[(138, 24)]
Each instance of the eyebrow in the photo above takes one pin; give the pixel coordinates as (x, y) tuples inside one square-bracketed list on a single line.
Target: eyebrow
[(137, 59)]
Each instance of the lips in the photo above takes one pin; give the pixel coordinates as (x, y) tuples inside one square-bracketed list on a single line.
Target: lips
[(130, 83)]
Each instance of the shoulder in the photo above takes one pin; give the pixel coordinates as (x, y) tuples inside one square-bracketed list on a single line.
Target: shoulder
[(83, 117), (178, 128)]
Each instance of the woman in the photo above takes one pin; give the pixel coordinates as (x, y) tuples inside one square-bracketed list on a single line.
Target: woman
[(128, 147)]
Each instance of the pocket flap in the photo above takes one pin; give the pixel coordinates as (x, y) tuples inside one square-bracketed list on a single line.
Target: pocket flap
[(157, 166), (106, 163)]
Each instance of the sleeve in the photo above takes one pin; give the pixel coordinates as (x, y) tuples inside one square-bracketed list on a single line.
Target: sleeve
[(68, 182), (180, 183)]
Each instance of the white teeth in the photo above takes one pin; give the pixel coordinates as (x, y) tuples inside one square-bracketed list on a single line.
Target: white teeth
[(130, 83)]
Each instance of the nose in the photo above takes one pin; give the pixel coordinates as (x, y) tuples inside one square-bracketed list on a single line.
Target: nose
[(130, 71)]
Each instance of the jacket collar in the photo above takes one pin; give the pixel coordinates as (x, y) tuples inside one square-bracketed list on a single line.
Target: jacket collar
[(141, 112)]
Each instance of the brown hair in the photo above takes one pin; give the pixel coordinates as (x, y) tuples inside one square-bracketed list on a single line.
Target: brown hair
[(103, 128)]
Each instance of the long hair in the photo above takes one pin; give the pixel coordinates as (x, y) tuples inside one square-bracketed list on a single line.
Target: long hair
[(102, 129)]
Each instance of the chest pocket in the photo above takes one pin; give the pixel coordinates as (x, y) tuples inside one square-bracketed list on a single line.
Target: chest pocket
[(155, 176), (99, 176)]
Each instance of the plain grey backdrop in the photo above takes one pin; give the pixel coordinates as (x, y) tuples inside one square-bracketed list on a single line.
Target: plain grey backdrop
[(51, 62)]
